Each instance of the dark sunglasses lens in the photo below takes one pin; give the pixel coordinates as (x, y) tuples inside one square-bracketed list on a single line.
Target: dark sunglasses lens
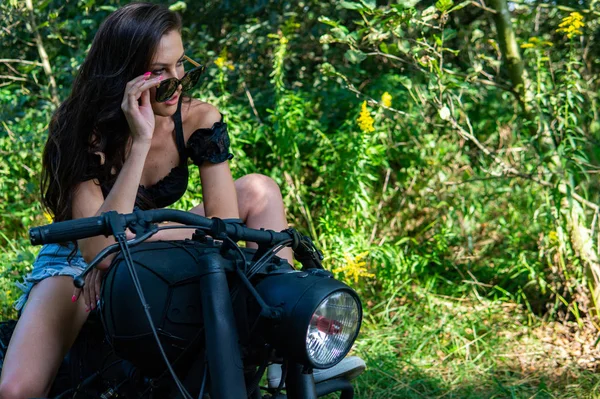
[(191, 78), (166, 89)]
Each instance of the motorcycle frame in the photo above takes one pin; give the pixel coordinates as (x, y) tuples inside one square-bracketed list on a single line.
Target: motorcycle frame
[(222, 342)]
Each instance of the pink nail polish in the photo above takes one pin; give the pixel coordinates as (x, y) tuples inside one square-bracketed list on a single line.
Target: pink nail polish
[(147, 74), (87, 309), (73, 298), (160, 78)]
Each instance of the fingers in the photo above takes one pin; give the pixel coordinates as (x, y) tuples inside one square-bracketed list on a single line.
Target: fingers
[(88, 290), (145, 98), (129, 234), (76, 294), (91, 290), (97, 284), (136, 88)]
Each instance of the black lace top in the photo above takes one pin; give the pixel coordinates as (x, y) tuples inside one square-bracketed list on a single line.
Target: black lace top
[(203, 145)]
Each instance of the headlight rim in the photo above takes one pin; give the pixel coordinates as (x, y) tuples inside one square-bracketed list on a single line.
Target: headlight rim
[(349, 291)]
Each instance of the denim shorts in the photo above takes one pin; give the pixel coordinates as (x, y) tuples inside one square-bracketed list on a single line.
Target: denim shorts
[(53, 260)]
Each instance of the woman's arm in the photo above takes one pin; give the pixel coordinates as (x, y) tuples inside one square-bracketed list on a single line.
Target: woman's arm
[(88, 199), (218, 190)]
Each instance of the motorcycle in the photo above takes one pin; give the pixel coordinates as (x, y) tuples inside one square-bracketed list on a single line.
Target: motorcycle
[(205, 317)]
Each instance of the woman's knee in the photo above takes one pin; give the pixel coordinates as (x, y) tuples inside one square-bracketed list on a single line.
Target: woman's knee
[(13, 388), (258, 190)]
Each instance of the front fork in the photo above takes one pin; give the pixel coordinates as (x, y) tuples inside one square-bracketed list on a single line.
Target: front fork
[(225, 365), (300, 383)]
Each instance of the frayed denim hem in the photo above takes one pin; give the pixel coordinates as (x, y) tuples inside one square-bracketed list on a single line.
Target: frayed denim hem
[(53, 260)]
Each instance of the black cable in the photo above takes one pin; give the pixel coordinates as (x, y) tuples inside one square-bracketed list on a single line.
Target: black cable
[(89, 379), (122, 241), (257, 376), (201, 394), (259, 264), (239, 250), (183, 226), (284, 371), (135, 278), (266, 257)]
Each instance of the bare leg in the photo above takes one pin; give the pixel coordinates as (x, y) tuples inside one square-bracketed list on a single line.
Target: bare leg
[(261, 205), (46, 330)]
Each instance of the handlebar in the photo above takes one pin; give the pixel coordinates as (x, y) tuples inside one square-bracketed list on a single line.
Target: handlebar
[(78, 229)]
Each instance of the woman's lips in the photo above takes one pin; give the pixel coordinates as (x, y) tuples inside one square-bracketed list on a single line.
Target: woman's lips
[(173, 100)]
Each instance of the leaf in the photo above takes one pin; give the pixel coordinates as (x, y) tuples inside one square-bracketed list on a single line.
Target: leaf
[(404, 4), (43, 5), (449, 34), (355, 56), (444, 113), (370, 4), (444, 5), (351, 6), (328, 21), (178, 6), (460, 6), (405, 81)]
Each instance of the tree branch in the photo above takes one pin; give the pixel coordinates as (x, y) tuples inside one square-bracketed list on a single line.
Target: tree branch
[(42, 52), (7, 60), (557, 7), (10, 77), (512, 171)]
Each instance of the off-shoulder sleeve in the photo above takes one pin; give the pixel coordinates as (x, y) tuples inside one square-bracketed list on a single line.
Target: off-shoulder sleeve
[(210, 145)]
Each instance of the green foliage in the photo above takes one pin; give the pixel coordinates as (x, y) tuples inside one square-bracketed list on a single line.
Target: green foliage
[(465, 187)]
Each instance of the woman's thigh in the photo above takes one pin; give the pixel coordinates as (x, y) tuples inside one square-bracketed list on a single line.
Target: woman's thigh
[(260, 206), (44, 333), (253, 192)]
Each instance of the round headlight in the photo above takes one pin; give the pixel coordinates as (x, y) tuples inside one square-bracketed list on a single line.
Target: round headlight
[(332, 329), (320, 316)]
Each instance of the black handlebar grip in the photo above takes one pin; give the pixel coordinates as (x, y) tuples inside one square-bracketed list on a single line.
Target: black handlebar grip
[(69, 230)]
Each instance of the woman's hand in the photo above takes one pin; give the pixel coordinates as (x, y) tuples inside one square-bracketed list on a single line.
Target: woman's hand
[(137, 107), (91, 289)]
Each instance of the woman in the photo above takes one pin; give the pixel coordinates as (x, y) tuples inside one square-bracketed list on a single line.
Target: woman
[(113, 146)]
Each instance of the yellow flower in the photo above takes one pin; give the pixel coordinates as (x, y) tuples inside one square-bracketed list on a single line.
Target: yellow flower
[(535, 42), (365, 121), (571, 25), (355, 267), (222, 61), (386, 99), (48, 217)]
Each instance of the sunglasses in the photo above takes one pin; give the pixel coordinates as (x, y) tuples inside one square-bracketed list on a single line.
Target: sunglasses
[(168, 87)]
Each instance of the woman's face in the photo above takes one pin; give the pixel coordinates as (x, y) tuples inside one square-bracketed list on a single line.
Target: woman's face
[(168, 63)]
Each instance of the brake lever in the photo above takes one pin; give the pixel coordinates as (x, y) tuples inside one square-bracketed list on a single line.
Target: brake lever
[(79, 281)]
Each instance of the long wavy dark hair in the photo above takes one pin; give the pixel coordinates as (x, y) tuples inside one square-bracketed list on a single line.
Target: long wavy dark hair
[(90, 120)]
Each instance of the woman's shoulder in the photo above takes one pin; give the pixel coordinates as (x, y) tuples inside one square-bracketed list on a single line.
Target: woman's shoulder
[(197, 114)]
